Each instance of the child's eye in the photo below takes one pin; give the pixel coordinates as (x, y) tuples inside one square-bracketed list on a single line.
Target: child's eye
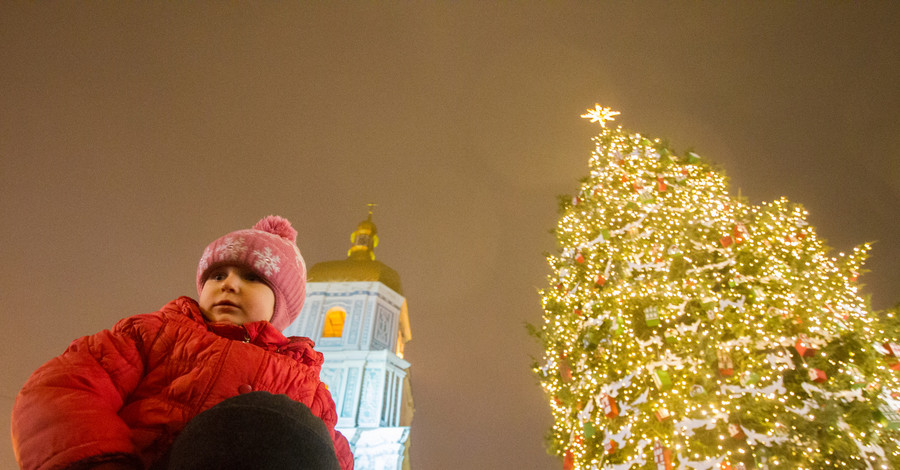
[(219, 276), (252, 277)]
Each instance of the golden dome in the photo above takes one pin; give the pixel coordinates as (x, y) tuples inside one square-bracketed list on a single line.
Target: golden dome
[(360, 264)]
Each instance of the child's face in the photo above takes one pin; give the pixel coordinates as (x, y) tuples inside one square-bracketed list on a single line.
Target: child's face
[(236, 295)]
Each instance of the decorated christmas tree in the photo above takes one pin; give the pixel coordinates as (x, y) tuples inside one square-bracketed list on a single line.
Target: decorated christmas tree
[(685, 328)]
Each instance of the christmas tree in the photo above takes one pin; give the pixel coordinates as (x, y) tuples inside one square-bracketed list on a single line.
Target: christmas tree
[(685, 328)]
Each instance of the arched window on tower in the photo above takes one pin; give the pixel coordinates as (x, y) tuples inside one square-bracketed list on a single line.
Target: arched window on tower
[(334, 323)]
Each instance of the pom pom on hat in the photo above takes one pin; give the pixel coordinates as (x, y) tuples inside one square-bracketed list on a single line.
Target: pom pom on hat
[(269, 249), (278, 226)]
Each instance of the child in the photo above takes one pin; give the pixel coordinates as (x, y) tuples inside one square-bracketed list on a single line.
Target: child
[(215, 370)]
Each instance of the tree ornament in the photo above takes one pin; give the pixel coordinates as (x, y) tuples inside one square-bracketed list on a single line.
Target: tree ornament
[(662, 414), (604, 236), (579, 258), (651, 316), (569, 461), (817, 375), (578, 439), (749, 378), (890, 417), (662, 380), (893, 349), (726, 364), (735, 431), (588, 429), (610, 446), (600, 114), (610, 410), (671, 334), (661, 456), (804, 347), (739, 233), (618, 326), (661, 184), (565, 370)]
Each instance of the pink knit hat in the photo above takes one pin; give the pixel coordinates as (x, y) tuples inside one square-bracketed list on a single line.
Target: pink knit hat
[(270, 250)]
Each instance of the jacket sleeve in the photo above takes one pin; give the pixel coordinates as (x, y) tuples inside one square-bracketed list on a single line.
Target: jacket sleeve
[(323, 407), (67, 412)]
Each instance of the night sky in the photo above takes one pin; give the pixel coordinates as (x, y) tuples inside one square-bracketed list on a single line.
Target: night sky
[(133, 134)]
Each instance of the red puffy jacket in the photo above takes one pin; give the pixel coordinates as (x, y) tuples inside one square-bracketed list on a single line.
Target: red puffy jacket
[(130, 391)]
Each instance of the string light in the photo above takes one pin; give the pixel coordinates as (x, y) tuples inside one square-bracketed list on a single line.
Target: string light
[(683, 325)]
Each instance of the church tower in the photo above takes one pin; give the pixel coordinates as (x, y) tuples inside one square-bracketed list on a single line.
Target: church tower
[(356, 314)]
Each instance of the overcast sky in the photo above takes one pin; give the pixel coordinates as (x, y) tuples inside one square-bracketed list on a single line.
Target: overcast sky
[(133, 134)]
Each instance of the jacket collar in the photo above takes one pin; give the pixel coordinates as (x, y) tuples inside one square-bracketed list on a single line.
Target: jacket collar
[(260, 333)]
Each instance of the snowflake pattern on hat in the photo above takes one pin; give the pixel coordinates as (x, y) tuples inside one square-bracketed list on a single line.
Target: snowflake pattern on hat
[(266, 261), (231, 249), (204, 260)]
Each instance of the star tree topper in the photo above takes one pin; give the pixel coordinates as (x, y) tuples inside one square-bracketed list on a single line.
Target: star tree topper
[(600, 115)]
